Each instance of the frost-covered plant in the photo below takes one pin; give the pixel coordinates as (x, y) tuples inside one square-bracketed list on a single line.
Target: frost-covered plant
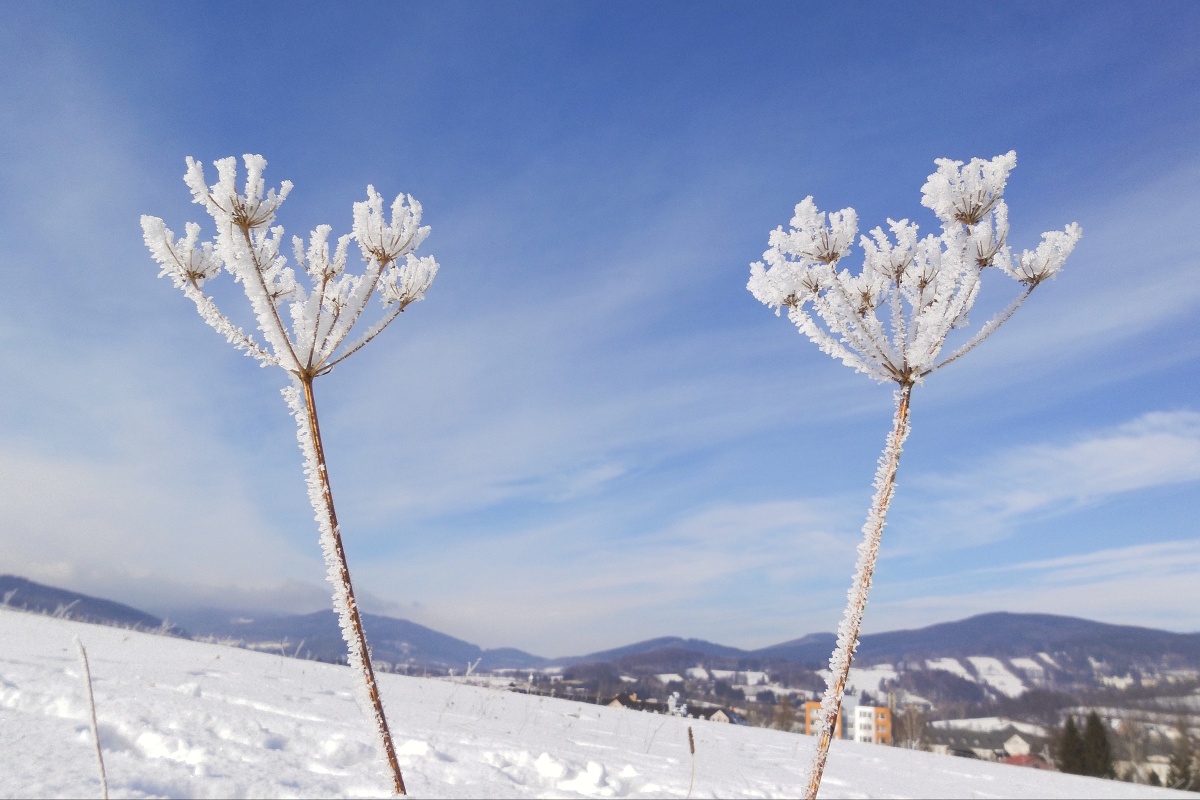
[(305, 320), (891, 321)]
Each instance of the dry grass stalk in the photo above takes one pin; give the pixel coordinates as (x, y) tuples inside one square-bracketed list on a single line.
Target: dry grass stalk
[(87, 677)]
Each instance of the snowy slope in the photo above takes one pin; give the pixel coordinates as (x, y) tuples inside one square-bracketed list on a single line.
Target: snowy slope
[(995, 675), (184, 719), (950, 665)]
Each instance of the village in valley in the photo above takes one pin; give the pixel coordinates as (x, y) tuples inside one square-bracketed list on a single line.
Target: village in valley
[(1017, 718)]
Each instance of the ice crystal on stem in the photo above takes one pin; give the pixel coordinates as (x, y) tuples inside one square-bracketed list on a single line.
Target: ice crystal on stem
[(321, 308), (891, 322)]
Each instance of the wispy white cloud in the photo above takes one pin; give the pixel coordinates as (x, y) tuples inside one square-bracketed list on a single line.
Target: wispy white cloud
[(581, 585), (90, 523), (1152, 585), (992, 497)]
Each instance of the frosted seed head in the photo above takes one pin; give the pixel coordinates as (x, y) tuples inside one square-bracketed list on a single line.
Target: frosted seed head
[(843, 227), (194, 178), (885, 259), (325, 307), (224, 193), (407, 284), (964, 194), (186, 261), (1047, 260), (248, 211), (784, 282), (255, 164), (988, 238), (891, 319), (251, 209), (384, 241), (815, 236)]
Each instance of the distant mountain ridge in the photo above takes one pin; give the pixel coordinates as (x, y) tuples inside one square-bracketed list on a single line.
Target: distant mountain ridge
[(1075, 644), (27, 595), (397, 641), (997, 634), (662, 645)]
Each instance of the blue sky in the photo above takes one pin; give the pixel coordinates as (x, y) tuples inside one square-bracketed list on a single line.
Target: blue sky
[(590, 433)]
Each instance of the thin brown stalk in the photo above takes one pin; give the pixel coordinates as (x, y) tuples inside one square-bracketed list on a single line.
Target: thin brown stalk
[(692, 750), (87, 677), (356, 639), (885, 486)]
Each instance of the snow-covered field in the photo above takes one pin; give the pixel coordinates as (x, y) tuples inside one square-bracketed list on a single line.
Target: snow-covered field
[(183, 719)]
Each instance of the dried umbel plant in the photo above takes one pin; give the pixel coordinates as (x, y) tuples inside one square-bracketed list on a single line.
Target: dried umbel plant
[(305, 321), (891, 321)]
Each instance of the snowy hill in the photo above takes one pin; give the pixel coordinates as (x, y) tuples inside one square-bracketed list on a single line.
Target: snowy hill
[(186, 719), (317, 635), (664, 648), (17, 592), (998, 655), (1006, 635)]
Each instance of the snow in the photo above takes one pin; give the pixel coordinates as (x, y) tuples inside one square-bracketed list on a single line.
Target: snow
[(986, 724), (755, 678), (994, 674), (1046, 657), (1030, 667), (188, 719), (866, 679), (952, 666)]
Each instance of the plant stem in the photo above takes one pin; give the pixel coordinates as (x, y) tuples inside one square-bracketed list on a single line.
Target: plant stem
[(692, 748), (868, 552), (356, 639), (87, 677)]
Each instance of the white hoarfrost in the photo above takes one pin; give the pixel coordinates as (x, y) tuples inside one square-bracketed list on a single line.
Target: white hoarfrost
[(892, 318), (185, 719), (305, 320), (343, 603), (248, 247), (867, 679)]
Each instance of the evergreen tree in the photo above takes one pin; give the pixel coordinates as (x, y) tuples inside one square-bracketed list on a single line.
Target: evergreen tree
[(1182, 774), (1153, 779), (1068, 752), (1096, 751)]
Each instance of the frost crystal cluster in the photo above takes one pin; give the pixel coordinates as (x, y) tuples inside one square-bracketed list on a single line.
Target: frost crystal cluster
[(891, 321), (305, 315), (303, 326)]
